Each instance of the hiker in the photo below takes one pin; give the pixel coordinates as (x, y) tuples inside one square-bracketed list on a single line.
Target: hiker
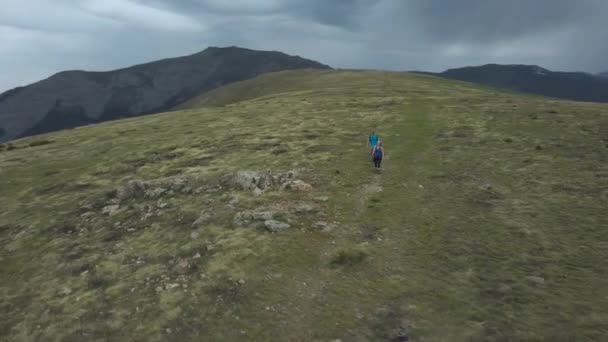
[(372, 140), (378, 154)]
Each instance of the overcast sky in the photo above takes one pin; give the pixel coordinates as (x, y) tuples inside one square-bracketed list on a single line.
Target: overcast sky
[(41, 37)]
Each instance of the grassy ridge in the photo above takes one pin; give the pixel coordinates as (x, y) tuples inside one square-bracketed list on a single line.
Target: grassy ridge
[(486, 223)]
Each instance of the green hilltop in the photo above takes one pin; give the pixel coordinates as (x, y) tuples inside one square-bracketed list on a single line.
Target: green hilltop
[(252, 213)]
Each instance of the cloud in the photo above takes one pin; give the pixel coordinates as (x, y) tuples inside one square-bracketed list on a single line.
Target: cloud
[(390, 34), (141, 16)]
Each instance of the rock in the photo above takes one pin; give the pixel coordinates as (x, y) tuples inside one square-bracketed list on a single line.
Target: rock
[(486, 187), (242, 218), (179, 185), (202, 219), (258, 192), (276, 226), (197, 256), (171, 286), (297, 185), (241, 281), (195, 234), (536, 279), (110, 210), (321, 199), (321, 225), (155, 193), (87, 216), (250, 180), (183, 266), (306, 209), (133, 189), (65, 291), (324, 226), (162, 205), (263, 215)]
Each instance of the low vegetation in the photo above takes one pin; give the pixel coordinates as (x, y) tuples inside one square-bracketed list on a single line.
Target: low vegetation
[(260, 218)]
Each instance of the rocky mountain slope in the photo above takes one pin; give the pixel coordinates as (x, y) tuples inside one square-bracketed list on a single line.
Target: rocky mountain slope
[(259, 217), (74, 98), (535, 80)]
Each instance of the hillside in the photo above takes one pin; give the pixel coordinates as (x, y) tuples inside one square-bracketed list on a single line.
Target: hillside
[(535, 80), (74, 98), (259, 218), (603, 74)]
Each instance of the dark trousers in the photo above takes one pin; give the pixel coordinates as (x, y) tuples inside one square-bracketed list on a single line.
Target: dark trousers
[(377, 162)]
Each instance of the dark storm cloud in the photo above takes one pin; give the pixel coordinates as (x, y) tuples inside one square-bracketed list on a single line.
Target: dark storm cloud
[(391, 34)]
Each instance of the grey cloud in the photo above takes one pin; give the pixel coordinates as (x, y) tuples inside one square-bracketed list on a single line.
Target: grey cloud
[(391, 34)]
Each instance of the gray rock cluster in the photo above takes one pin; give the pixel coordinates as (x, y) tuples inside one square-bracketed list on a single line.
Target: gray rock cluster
[(260, 181)]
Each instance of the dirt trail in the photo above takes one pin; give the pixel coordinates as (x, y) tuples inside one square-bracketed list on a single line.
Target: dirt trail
[(366, 192)]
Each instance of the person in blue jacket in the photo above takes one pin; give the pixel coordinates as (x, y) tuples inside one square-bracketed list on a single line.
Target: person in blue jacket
[(372, 141), (378, 154)]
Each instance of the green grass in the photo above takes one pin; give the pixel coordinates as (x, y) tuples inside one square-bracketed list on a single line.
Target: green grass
[(486, 224)]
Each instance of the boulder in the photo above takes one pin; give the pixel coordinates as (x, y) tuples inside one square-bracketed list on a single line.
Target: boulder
[(276, 226), (250, 180), (133, 189)]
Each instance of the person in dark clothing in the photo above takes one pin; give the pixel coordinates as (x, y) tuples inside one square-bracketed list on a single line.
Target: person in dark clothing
[(377, 155)]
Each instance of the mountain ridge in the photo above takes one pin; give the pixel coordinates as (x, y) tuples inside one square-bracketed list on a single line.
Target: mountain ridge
[(533, 79), (75, 97)]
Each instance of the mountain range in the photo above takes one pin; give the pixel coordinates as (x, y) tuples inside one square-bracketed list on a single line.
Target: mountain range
[(533, 79), (74, 98)]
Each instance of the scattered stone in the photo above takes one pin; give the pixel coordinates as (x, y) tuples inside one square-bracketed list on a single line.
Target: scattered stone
[(110, 210), (486, 187), (263, 215), (420, 186), (183, 266), (171, 286), (296, 185), (195, 234), (258, 192), (276, 226), (87, 216), (536, 279), (306, 209), (197, 256), (321, 225), (321, 199), (250, 180), (242, 218), (155, 193), (202, 219), (133, 189), (162, 205), (242, 281), (65, 291), (181, 185)]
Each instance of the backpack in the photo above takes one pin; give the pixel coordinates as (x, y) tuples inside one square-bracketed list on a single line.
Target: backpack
[(377, 153)]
